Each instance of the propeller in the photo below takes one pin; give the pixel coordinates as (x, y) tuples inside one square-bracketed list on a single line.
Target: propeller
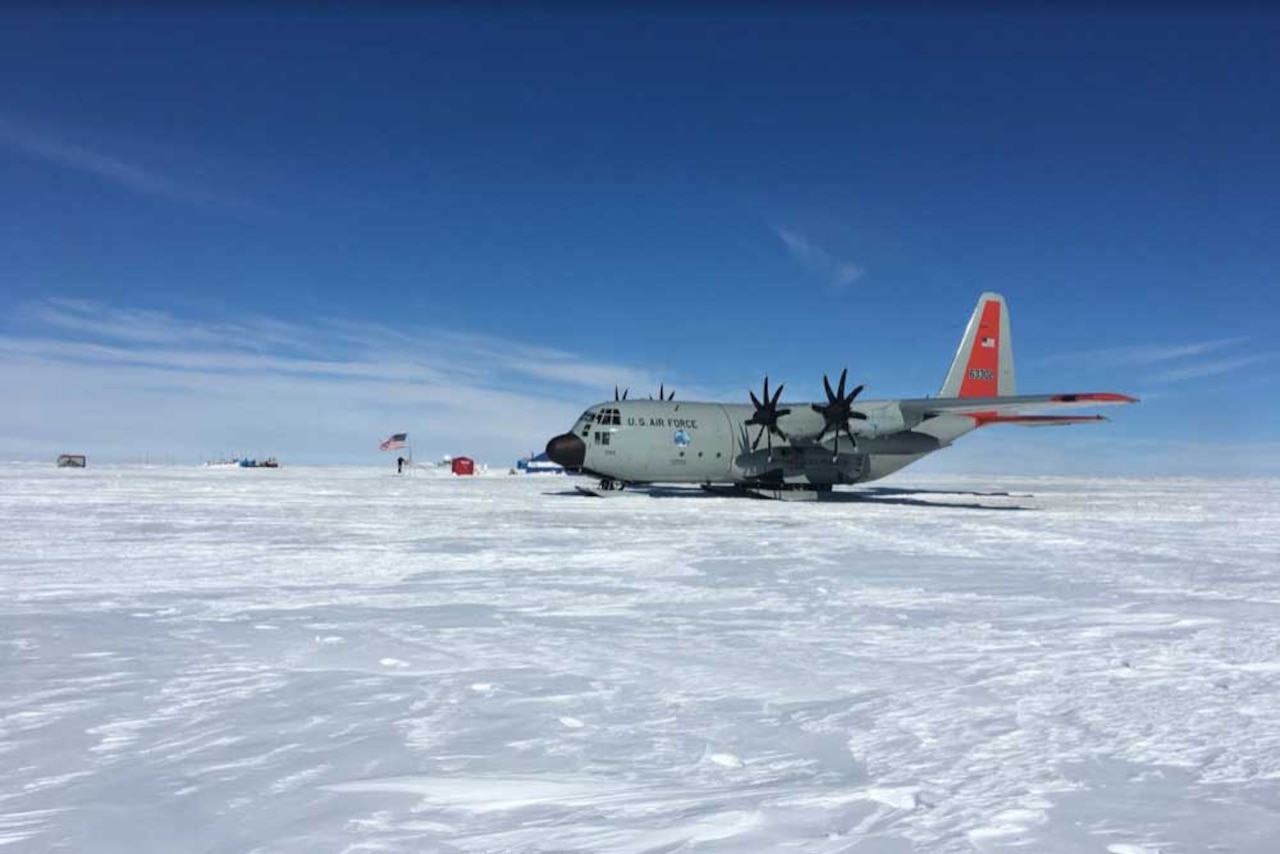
[(766, 417), (838, 410), (662, 393), (623, 396)]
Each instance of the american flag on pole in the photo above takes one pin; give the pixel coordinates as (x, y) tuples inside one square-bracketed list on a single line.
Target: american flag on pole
[(397, 441)]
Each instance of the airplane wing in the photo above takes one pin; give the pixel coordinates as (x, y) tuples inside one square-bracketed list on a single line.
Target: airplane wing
[(1019, 408)]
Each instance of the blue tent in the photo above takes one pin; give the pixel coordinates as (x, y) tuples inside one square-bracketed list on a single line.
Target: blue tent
[(539, 464)]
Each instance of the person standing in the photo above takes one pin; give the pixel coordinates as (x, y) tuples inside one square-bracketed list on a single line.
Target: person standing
[(399, 465)]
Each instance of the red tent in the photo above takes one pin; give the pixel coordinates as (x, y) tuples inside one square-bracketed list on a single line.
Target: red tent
[(464, 465)]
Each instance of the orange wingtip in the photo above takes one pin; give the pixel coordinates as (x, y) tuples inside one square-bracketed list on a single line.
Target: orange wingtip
[(1095, 397)]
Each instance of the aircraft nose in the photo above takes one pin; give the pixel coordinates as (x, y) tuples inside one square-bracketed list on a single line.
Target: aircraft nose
[(567, 450)]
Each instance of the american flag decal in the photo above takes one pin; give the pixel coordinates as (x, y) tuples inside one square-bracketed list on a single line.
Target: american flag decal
[(988, 342)]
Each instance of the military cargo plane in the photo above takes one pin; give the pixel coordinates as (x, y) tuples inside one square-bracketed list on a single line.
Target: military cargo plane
[(793, 451)]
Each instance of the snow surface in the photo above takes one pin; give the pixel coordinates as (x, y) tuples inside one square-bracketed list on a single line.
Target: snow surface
[(346, 660)]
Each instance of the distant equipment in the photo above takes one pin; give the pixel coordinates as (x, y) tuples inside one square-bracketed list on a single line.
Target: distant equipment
[(538, 464), (72, 461), (464, 466), (243, 463)]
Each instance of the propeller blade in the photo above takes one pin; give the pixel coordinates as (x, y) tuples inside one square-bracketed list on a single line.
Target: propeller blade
[(766, 415), (838, 411)]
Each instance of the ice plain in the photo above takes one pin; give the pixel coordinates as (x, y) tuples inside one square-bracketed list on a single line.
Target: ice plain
[(339, 659)]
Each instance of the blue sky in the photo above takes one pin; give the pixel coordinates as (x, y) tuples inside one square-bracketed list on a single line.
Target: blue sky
[(296, 231)]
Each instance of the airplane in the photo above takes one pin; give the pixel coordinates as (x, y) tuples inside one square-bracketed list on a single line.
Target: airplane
[(799, 451)]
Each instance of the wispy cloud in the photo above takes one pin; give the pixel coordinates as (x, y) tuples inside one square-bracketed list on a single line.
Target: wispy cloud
[(1170, 363), (1145, 354), (144, 327), (1212, 368), (42, 144), (90, 375), (835, 273)]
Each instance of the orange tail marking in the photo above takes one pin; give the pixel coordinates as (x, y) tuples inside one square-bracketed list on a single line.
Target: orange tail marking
[(981, 375)]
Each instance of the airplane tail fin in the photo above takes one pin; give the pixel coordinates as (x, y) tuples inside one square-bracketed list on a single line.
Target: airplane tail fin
[(983, 366)]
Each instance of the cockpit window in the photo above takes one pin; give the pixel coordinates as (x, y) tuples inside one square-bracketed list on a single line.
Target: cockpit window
[(609, 416)]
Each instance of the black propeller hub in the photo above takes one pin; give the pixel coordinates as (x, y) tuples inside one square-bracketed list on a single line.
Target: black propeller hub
[(767, 415), (838, 410)]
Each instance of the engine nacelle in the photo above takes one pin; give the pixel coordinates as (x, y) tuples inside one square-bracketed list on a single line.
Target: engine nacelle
[(882, 421), (802, 424)]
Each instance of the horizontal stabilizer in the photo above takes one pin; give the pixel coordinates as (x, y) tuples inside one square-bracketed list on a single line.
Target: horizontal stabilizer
[(1037, 420)]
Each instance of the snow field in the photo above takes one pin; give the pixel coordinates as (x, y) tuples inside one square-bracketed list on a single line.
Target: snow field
[(346, 660)]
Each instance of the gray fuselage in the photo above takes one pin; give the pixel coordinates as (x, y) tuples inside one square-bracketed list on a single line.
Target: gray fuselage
[(650, 441)]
